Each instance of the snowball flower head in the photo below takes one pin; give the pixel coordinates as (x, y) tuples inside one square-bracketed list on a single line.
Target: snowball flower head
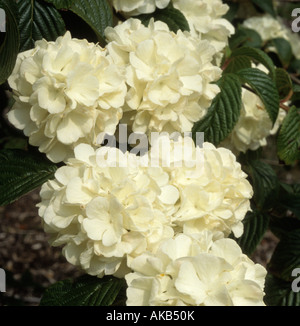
[(99, 213), (253, 126), (196, 271), (205, 20), (208, 190), (67, 92), (169, 75), (269, 28), (137, 7)]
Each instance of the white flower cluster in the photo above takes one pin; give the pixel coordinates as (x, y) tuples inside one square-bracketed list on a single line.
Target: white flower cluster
[(200, 270), (205, 18), (66, 92), (269, 28), (69, 91), (109, 218), (169, 76)]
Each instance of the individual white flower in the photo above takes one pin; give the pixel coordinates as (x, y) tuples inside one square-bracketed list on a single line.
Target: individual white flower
[(209, 189), (67, 92), (205, 18), (196, 271), (254, 125), (137, 7), (102, 213), (169, 76), (269, 28)]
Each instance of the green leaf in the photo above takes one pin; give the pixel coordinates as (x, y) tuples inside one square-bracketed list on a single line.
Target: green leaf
[(280, 293), (255, 227), (238, 63), (288, 142), (233, 10), (84, 291), (61, 4), (224, 111), (171, 16), (280, 226), (283, 49), (38, 20), (264, 87), (96, 13), (283, 83), (265, 183), (286, 256), (289, 198), (21, 172), (266, 5), (296, 93), (295, 66), (257, 56), (10, 47), (245, 37)]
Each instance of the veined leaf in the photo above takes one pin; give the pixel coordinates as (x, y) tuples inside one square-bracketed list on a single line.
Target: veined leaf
[(265, 183), (171, 16), (84, 291), (21, 172), (96, 13), (255, 227), (280, 293), (238, 63), (283, 83), (264, 87), (283, 50), (256, 55), (224, 111), (245, 37), (10, 47), (61, 4), (38, 20), (288, 142), (286, 256)]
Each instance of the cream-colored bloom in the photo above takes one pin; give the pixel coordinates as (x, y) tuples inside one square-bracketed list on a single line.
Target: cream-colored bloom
[(101, 214), (266, 26), (269, 28), (205, 20), (210, 190), (137, 7), (66, 92), (254, 125), (202, 270), (169, 75)]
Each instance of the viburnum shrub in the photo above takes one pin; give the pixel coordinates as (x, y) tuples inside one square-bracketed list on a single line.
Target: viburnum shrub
[(158, 133)]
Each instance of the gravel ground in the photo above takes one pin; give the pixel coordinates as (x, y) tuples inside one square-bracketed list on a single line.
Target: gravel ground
[(31, 264)]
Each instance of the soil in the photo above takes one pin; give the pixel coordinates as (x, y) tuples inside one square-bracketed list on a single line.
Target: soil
[(30, 263)]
